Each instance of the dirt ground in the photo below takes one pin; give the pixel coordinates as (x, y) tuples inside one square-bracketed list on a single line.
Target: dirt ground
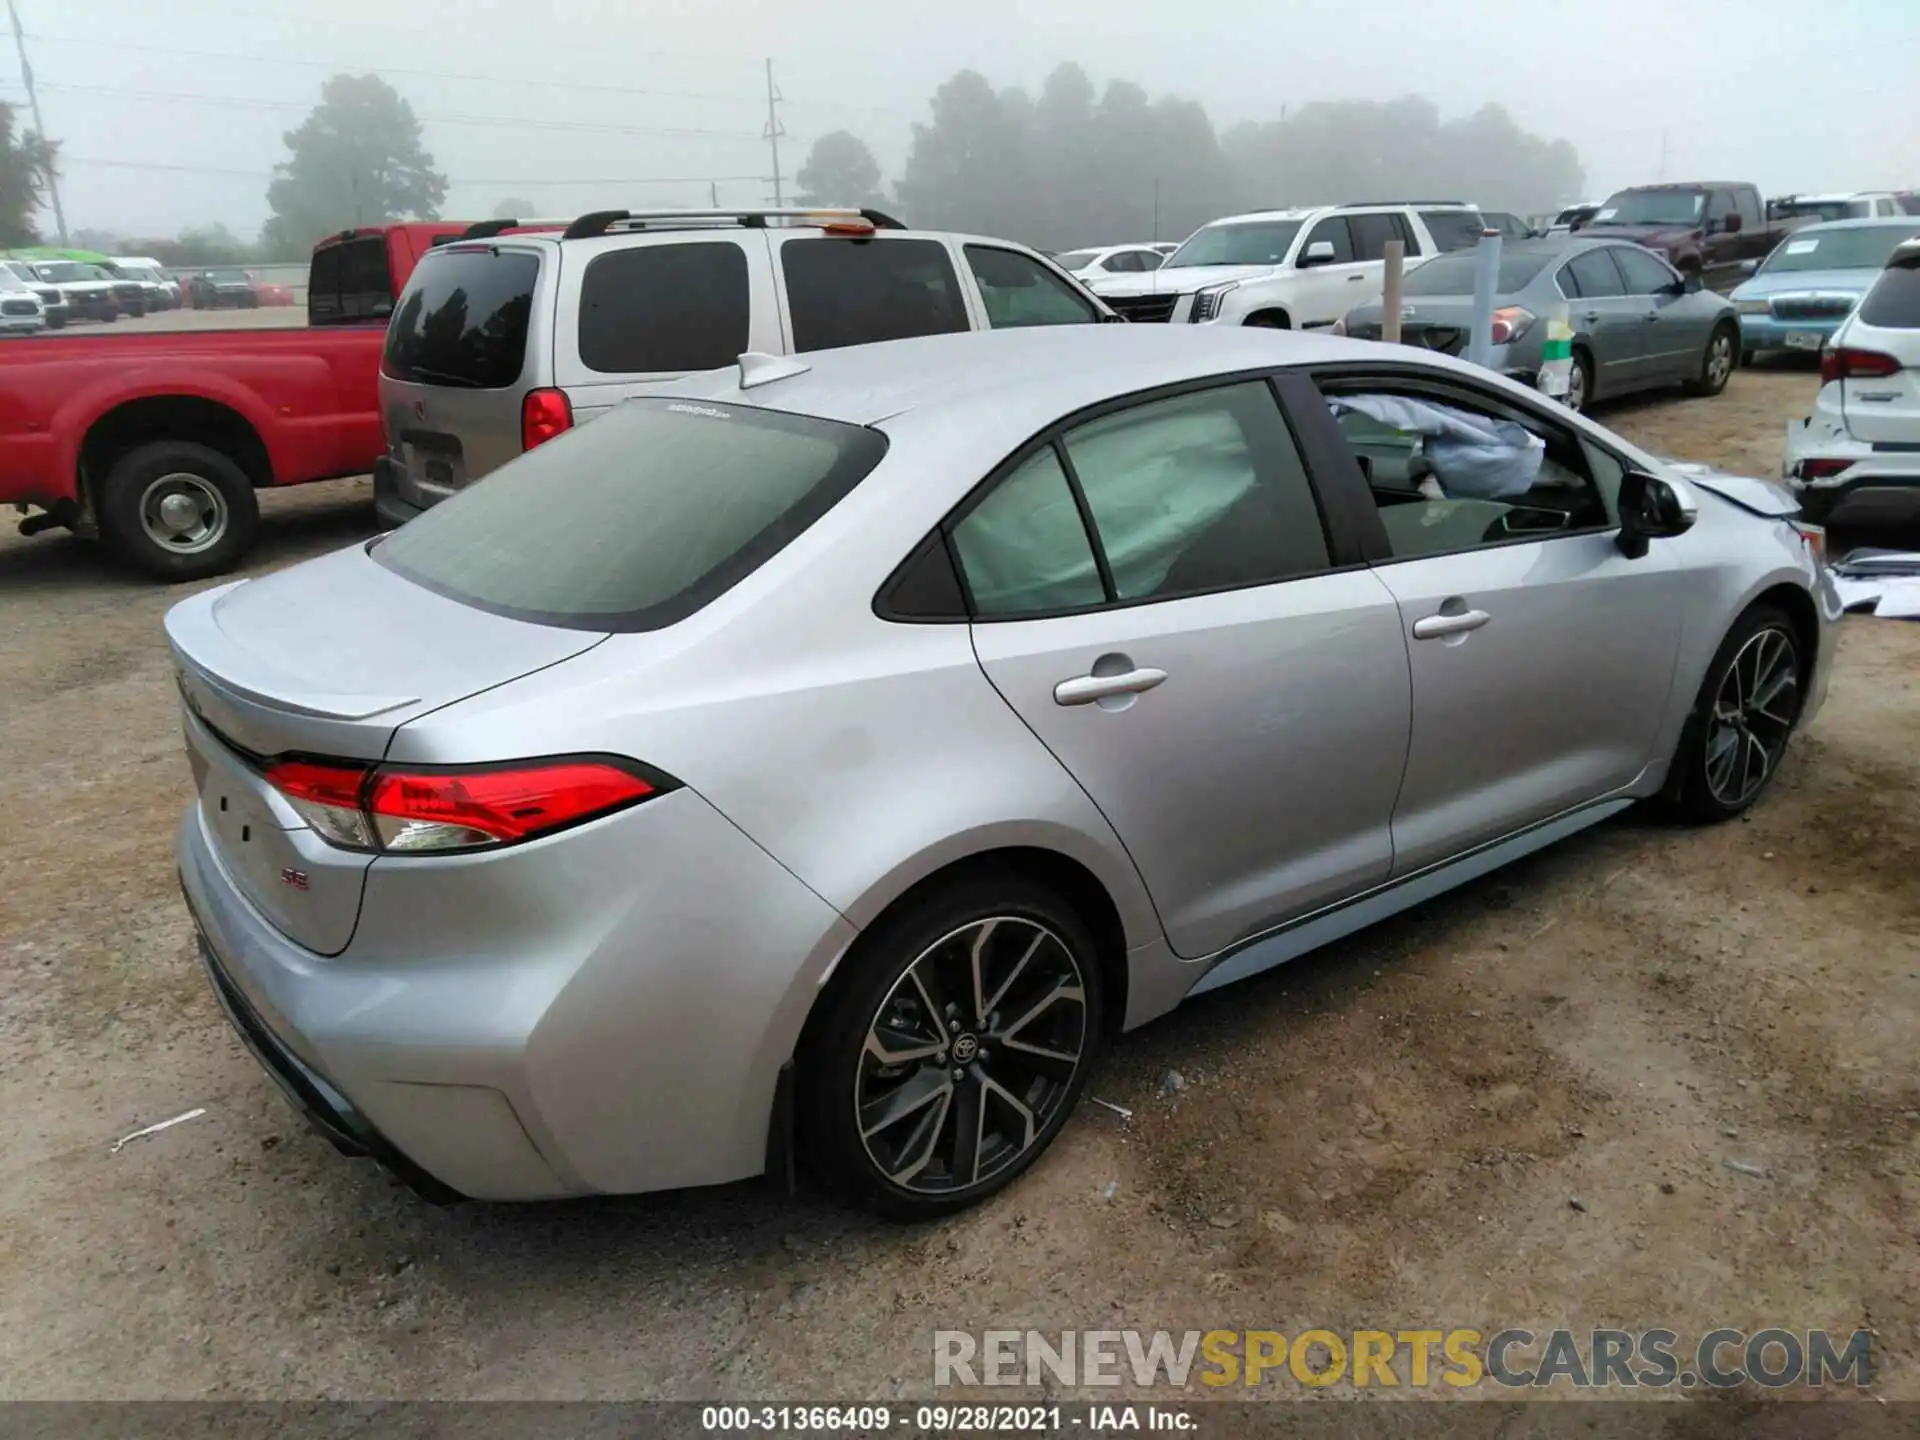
[(1388, 1134)]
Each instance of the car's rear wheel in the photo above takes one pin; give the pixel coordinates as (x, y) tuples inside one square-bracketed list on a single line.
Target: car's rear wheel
[(953, 1049), (1738, 730), (176, 510), (1579, 382), (1717, 361)]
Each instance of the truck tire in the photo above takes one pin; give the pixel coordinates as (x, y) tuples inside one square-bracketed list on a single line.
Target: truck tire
[(177, 510)]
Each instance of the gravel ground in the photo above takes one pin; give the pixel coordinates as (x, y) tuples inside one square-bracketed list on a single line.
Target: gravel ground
[(1385, 1134)]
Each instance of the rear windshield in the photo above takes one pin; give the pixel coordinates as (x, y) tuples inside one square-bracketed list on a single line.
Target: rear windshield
[(1864, 247), (1454, 229), (463, 319), (1453, 274), (349, 282), (1894, 301), (664, 309), (854, 292), (637, 519), (1076, 259)]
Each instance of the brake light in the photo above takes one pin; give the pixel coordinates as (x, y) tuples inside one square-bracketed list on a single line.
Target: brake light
[(1510, 323), (1823, 469), (415, 810), (543, 415), (1846, 363)]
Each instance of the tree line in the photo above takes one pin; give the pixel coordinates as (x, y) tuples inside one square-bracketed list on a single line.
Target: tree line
[(1072, 165)]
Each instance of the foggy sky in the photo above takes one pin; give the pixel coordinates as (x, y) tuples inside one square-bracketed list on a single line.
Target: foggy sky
[(1793, 95)]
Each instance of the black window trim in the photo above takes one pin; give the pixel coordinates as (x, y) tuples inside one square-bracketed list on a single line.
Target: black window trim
[(1460, 390), (1346, 548)]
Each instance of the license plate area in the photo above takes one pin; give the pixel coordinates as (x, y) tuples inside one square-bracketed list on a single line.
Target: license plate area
[(1803, 340)]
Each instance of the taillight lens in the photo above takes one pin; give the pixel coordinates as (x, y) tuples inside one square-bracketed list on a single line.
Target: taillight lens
[(422, 810), (543, 415), (1847, 363), (1510, 323), (1824, 469)]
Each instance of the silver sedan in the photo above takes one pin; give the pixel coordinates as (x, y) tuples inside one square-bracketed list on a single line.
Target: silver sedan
[(1637, 323), (823, 759)]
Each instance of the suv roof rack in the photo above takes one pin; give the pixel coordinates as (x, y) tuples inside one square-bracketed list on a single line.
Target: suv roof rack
[(1356, 204), (599, 222)]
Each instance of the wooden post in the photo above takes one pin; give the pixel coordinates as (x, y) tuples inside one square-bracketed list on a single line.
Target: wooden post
[(1395, 254)]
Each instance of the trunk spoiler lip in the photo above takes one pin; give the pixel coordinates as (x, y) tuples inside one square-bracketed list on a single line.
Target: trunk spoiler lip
[(200, 647)]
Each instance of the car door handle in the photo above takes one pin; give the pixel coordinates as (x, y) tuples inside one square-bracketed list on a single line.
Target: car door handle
[(1653, 314), (1436, 627), (1591, 316), (1085, 689)]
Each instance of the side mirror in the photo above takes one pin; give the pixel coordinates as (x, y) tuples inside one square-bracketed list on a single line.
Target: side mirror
[(1690, 283), (1749, 267), (1320, 252), (1650, 509), (1732, 223)]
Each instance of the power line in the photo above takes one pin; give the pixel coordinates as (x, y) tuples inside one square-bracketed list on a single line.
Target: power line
[(458, 180), (514, 122), (519, 80)]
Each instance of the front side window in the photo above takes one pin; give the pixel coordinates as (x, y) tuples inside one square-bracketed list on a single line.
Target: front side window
[(1643, 272), (462, 321), (1200, 492), (637, 520), (1018, 291), (1451, 474), (1333, 231), (855, 292), (1024, 548), (664, 309), (1747, 203)]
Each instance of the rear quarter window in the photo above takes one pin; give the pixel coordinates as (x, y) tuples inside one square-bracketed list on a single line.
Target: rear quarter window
[(1453, 229), (348, 282), (637, 520), (1894, 301), (664, 309), (853, 292), (463, 320)]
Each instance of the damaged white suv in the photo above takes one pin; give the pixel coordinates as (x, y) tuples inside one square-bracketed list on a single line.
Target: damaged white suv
[(1290, 269)]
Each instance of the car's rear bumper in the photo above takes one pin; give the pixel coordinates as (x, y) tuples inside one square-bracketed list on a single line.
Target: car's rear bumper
[(1878, 484), (604, 1011), (389, 508)]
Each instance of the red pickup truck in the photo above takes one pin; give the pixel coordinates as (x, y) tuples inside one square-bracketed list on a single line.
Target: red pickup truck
[(155, 443)]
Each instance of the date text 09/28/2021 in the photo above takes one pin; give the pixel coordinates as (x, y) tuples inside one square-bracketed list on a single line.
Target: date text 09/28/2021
[(943, 1419)]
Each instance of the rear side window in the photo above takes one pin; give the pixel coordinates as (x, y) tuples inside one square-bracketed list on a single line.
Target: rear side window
[(349, 282), (1645, 274), (1596, 275), (664, 309), (1453, 229), (637, 520), (1019, 291), (463, 320), (1371, 233), (1894, 301), (853, 292), (1024, 548)]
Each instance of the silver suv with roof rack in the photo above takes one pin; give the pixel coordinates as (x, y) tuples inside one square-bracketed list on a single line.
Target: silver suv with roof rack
[(517, 330), (1299, 269)]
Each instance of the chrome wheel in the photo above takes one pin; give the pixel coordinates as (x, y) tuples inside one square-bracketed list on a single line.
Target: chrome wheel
[(1719, 361), (971, 1055), (1753, 713), (183, 513), (1577, 387)]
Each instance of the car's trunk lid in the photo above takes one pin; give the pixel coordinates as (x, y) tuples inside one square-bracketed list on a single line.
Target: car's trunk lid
[(323, 661)]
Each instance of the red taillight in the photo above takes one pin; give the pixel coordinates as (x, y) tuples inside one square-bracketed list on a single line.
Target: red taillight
[(1823, 469), (543, 415), (443, 810), (1510, 323), (1847, 363), (423, 810)]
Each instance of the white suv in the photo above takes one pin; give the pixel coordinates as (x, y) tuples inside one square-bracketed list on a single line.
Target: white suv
[(518, 330), (1290, 269)]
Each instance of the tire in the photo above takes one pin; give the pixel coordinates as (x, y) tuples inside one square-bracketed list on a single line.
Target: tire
[(1013, 1108), (1717, 361), (56, 322), (211, 528), (1747, 357), (1579, 382), (250, 302), (111, 317), (1700, 788)]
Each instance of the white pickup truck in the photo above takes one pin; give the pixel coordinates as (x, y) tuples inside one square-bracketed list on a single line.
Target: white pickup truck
[(1289, 269)]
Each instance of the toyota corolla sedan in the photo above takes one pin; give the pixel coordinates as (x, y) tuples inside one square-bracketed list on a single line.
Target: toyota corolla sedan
[(823, 759)]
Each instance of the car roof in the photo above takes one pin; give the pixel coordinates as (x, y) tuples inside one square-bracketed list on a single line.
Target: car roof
[(1013, 380)]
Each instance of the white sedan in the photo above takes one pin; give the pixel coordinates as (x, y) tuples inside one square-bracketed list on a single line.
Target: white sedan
[(1104, 262)]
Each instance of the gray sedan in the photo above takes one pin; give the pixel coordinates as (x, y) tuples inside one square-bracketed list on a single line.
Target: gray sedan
[(824, 758), (1637, 323)]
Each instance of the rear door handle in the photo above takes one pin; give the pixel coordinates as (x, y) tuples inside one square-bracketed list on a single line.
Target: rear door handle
[(1436, 627), (1085, 689), (1591, 317)]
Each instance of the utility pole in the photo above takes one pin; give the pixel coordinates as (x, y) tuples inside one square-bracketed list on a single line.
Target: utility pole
[(39, 125), (1156, 207), (772, 134), (1663, 153), (713, 193)]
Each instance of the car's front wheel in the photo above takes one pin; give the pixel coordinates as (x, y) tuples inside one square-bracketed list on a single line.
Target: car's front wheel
[(954, 1048), (1741, 721)]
